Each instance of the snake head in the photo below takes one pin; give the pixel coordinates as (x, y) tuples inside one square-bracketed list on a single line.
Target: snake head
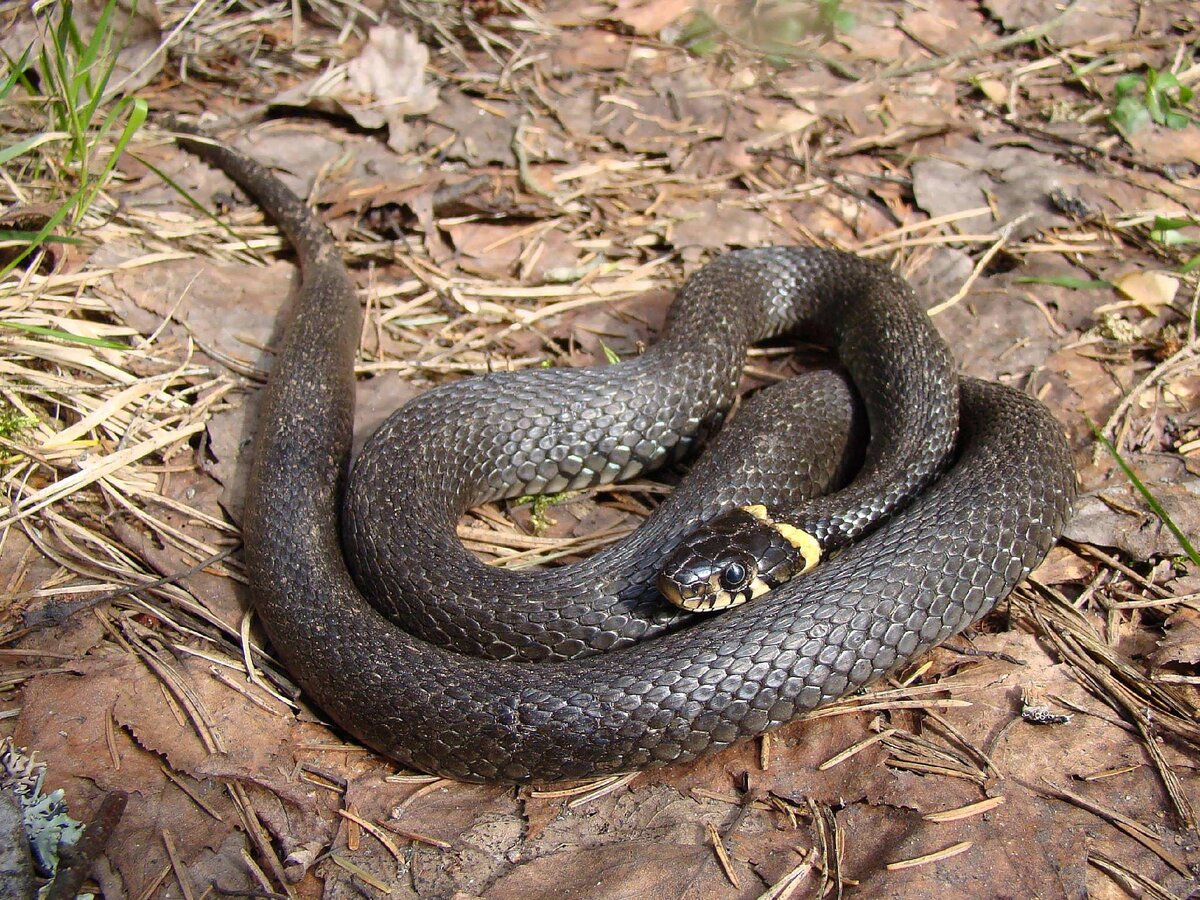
[(734, 558)]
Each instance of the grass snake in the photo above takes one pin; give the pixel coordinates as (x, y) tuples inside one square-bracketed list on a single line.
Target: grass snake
[(980, 475)]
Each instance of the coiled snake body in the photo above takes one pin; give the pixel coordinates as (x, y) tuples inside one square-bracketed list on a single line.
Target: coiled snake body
[(928, 572)]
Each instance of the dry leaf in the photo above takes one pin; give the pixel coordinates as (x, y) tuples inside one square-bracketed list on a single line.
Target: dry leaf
[(1182, 642), (1085, 19), (1061, 566), (787, 122), (1148, 289), (650, 16), (383, 85), (994, 90), (665, 167), (1118, 517), (1013, 181)]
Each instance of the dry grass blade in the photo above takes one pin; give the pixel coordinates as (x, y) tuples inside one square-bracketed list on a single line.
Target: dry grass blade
[(603, 789), (134, 638), (1135, 884), (1075, 635), (829, 848), (376, 831), (183, 785), (937, 856), (965, 812), (259, 837), (1135, 830), (718, 845), (177, 866), (417, 836), (1123, 686), (359, 872), (791, 882), (980, 266), (916, 754), (1025, 35)]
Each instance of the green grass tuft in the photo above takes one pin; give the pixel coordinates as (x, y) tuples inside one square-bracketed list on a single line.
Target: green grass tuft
[(87, 135), (1152, 97)]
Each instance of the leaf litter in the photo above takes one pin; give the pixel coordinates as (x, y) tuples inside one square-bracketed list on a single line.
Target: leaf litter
[(562, 169)]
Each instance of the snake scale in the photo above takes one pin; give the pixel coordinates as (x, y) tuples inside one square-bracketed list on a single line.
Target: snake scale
[(550, 706)]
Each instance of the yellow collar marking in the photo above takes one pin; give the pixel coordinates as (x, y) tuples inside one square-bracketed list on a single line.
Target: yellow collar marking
[(806, 543)]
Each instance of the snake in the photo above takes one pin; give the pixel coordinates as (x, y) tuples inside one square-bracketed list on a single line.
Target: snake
[(577, 671)]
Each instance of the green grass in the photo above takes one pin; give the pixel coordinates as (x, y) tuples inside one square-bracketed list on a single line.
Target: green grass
[(82, 133), (1169, 232), (14, 423), (61, 335), (538, 505), (1152, 97), (610, 354), (1067, 281)]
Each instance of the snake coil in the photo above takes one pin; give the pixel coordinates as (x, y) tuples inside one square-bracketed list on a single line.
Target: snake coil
[(551, 707)]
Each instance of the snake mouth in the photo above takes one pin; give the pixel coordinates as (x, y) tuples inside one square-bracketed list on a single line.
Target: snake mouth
[(707, 595), (695, 595), (670, 590)]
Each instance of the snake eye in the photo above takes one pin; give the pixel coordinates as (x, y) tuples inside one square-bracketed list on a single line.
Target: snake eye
[(733, 576)]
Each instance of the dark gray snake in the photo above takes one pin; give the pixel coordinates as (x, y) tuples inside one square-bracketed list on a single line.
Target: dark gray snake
[(969, 536)]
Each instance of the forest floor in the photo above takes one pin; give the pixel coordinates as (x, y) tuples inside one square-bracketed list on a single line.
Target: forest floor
[(520, 185)]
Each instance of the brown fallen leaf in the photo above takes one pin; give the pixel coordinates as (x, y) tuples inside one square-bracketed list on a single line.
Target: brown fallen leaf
[(1118, 517), (1182, 642), (1012, 181), (1004, 858), (945, 27), (477, 132), (195, 493), (27, 572), (231, 309), (649, 16), (719, 225), (1085, 20), (672, 157), (1148, 289), (1000, 331), (796, 756), (87, 755), (1167, 146), (624, 870), (664, 114), (588, 49), (380, 87)]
